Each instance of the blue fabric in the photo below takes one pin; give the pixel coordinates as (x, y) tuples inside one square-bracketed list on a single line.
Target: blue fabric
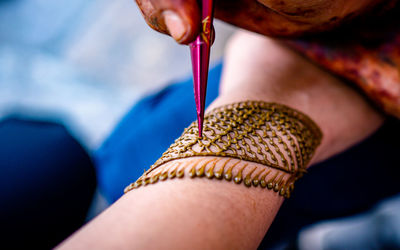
[(146, 132)]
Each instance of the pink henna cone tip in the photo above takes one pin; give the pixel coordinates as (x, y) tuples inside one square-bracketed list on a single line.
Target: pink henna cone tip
[(200, 54)]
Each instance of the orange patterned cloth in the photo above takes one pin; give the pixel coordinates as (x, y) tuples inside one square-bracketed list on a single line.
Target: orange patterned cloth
[(365, 52)]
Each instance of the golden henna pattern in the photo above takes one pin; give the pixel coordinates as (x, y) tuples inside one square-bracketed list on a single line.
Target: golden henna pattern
[(270, 134), (217, 168)]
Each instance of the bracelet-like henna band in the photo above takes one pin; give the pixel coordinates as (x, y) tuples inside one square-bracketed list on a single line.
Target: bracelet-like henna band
[(280, 140)]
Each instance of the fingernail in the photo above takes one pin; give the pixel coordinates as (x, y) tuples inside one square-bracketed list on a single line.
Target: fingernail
[(175, 25)]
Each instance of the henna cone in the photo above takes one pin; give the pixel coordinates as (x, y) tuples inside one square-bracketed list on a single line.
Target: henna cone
[(200, 53)]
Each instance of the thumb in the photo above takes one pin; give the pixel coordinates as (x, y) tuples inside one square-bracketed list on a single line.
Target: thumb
[(178, 18)]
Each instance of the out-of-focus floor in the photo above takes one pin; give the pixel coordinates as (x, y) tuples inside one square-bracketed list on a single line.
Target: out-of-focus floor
[(85, 63)]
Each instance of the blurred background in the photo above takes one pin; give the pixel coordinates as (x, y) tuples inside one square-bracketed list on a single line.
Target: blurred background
[(84, 63), (69, 72)]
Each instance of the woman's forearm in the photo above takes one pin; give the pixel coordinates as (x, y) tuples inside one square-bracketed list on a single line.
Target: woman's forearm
[(203, 213), (182, 214)]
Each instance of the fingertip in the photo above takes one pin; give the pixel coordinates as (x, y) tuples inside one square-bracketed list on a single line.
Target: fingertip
[(189, 37), (192, 29), (176, 25), (178, 18), (189, 12)]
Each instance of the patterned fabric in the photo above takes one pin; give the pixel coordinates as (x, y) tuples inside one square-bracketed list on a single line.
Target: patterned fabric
[(365, 52)]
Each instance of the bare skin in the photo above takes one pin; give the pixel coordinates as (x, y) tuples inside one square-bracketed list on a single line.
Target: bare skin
[(210, 214), (283, 18)]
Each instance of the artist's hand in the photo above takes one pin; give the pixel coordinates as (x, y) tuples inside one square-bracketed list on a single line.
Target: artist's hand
[(181, 18)]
